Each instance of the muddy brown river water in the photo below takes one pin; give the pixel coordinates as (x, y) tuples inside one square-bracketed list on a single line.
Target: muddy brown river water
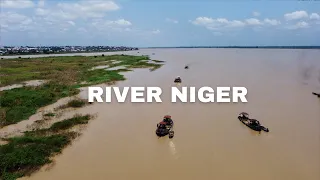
[(209, 143)]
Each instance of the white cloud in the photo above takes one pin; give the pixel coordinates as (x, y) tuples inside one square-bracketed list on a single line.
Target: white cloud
[(13, 18), (27, 21), (70, 10), (202, 21), (223, 24), (235, 23), (62, 30), (256, 14), (89, 7), (40, 3), (172, 21), (72, 23), (272, 22), (15, 22), (315, 16), (302, 24), (296, 15), (222, 20), (299, 25), (66, 15), (42, 12), (56, 15), (107, 25), (18, 4), (4, 26), (217, 33), (253, 22), (156, 31), (215, 24), (121, 22), (82, 30)]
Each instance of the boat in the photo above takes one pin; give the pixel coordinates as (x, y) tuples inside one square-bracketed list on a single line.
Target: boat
[(316, 94), (177, 80), (251, 123), (164, 129)]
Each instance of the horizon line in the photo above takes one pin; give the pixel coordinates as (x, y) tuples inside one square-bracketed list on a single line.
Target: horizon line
[(166, 46), (256, 47)]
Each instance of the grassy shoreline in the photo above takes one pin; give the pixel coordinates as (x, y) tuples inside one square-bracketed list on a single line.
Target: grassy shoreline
[(63, 75), (25, 154)]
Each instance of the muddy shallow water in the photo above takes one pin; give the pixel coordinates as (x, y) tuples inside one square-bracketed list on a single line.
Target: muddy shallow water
[(209, 143)]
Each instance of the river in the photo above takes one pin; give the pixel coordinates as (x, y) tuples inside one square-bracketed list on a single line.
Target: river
[(209, 142)]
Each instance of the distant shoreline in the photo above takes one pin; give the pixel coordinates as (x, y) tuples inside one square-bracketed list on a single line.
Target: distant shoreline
[(242, 47), (77, 52)]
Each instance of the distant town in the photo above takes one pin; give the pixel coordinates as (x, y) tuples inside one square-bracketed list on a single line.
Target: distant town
[(32, 50), (28, 50)]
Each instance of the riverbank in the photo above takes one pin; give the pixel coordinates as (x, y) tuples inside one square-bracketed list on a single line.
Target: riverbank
[(106, 53), (62, 77), (23, 155)]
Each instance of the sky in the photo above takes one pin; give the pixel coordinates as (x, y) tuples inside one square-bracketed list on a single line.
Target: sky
[(158, 23)]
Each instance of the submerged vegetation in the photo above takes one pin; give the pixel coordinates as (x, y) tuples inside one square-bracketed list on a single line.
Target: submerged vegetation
[(25, 154), (157, 61), (63, 76), (49, 114), (66, 124), (76, 103)]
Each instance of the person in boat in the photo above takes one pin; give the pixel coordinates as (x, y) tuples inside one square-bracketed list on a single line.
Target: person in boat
[(167, 119), (244, 115), (178, 79), (254, 122), (162, 125)]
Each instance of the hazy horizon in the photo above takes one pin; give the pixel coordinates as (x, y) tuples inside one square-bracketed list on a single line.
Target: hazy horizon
[(191, 46)]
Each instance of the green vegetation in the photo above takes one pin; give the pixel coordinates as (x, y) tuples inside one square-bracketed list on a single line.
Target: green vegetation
[(26, 154), (63, 74), (137, 62), (157, 61), (66, 124), (20, 103), (49, 114), (61, 125), (101, 75), (72, 69), (76, 103)]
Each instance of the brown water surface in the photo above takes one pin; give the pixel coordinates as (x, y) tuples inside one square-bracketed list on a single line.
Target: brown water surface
[(209, 143)]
